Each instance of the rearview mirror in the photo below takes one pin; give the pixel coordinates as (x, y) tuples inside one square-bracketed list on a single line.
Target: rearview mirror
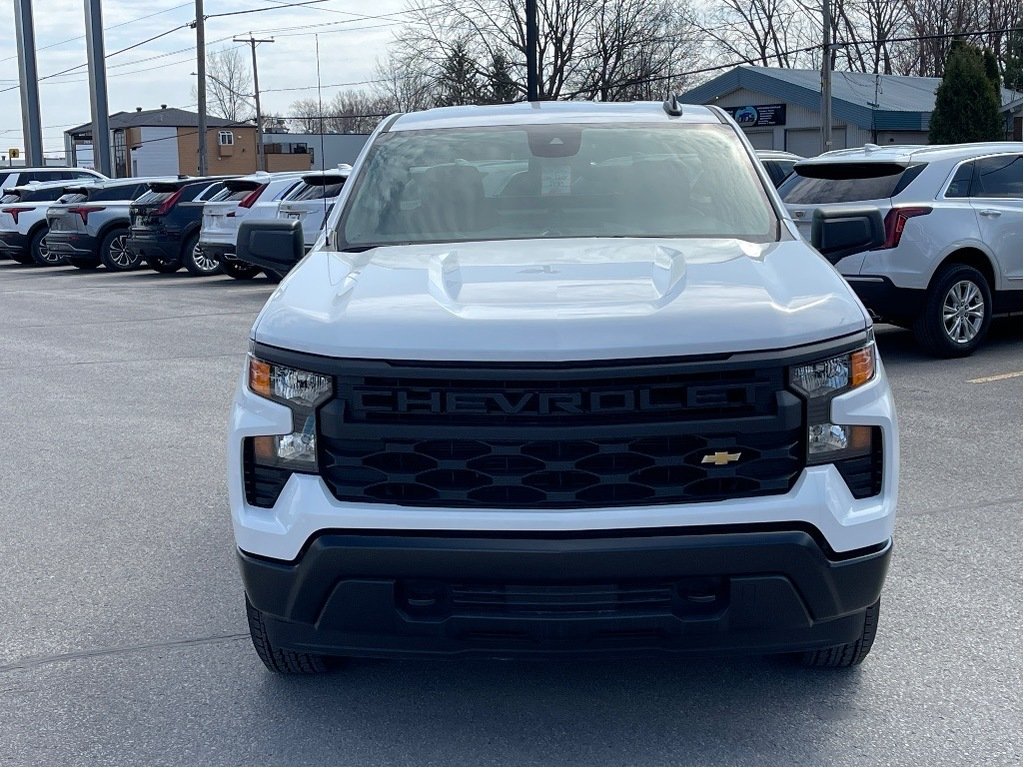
[(276, 246), (840, 232)]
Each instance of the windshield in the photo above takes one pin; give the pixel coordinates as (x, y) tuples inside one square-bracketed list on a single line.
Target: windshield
[(515, 182)]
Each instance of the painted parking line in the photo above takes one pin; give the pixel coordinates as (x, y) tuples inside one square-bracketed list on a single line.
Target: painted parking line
[(998, 377)]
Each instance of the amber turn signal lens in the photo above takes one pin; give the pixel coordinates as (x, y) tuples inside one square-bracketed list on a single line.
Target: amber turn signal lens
[(858, 438), (264, 449), (862, 366), (259, 377)]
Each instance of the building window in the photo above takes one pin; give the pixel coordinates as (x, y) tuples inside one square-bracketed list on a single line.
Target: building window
[(226, 139)]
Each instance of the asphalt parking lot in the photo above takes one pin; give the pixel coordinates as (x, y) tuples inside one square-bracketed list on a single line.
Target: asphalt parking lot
[(123, 637)]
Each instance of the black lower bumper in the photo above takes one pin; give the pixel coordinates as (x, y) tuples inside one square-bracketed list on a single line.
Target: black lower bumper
[(409, 594), (165, 248), (74, 247), (14, 244), (217, 250), (887, 301)]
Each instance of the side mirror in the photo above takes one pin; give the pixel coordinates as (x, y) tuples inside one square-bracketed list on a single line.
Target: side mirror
[(276, 246), (840, 232)]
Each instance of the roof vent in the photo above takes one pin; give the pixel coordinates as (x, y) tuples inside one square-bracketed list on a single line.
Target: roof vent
[(138, 109), (163, 106)]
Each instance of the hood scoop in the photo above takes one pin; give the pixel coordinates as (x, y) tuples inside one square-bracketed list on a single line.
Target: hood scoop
[(608, 276)]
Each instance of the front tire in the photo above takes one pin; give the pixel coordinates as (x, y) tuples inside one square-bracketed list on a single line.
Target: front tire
[(114, 252), (957, 312), (279, 660), (847, 654)]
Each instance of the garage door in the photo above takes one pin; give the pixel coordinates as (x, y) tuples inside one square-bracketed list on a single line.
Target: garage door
[(761, 139), (806, 142)]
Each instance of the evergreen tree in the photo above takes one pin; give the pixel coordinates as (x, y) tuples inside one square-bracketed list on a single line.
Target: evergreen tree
[(501, 85), (992, 71), (458, 82), (966, 105), (1012, 63)]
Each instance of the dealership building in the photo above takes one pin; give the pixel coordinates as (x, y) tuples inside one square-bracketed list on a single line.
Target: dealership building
[(781, 108)]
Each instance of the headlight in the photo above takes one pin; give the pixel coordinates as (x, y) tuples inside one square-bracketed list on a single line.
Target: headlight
[(837, 374), (822, 380), (302, 392)]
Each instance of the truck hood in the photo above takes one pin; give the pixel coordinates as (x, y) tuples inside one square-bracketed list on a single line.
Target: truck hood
[(555, 300)]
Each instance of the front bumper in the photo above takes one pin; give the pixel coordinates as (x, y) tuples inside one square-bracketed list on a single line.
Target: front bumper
[(722, 590)]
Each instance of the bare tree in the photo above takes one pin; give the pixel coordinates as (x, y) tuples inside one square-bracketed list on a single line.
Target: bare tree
[(229, 84)]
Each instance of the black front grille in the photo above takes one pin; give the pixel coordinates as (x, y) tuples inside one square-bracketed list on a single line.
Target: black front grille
[(563, 438), (575, 599)]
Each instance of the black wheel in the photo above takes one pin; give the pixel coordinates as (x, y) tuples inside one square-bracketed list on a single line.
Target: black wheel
[(162, 265), (957, 312), (114, 252), (22, 257), (239, 269), (40, 253), (278, 659), (196, 261), (848, 654)]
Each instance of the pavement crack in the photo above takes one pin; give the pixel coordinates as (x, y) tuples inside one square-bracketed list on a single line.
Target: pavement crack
[(39, 661)]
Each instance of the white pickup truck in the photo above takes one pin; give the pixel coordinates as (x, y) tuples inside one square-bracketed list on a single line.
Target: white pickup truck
[(561, 378)]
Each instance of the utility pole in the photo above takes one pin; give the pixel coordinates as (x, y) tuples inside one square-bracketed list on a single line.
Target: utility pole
[(201, 86), (826, 77), (532, 75), (260, 156), (97, 87), (31, 125)]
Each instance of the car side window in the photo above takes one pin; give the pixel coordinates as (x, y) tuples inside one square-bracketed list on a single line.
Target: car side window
[(997, 177), (960, 186)]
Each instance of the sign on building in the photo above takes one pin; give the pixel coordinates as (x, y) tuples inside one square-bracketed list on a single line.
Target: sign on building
[(763, 115)]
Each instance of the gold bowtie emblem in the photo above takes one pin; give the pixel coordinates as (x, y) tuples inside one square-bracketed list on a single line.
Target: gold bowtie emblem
[(720, 458)]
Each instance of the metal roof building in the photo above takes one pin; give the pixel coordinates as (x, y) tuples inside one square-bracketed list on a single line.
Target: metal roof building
[(780, 108)]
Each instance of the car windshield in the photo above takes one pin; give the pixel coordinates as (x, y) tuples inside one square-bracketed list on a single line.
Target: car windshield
[(549, 181)]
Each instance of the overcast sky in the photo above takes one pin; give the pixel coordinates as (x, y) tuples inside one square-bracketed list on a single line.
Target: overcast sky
[(350, 44)]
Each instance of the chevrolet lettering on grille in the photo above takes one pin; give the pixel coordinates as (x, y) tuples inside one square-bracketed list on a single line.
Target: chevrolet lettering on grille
[(668, 397)]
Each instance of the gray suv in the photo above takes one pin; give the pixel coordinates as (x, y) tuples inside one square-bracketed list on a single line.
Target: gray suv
[(89, 225)]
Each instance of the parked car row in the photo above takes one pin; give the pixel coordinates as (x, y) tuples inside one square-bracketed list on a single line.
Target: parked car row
[(950, 261), (78, 217)]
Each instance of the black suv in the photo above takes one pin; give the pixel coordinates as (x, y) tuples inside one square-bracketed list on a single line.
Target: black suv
[(165, 225)]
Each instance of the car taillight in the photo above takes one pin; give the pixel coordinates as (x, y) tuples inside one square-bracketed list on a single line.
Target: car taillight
[(250, 200), (84, 212), (15, 211), (896, 222), (167, 204)]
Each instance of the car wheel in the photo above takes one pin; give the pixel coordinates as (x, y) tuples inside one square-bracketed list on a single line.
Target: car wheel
[(196, 261), (239, 269), (41, 255), (278, 659), (847, 654), (957, 312), (114, 252)]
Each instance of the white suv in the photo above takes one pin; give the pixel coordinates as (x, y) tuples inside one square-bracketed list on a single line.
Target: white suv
[(252, 197), (311, 202), (560, 377), (23, 225), (952, 252)]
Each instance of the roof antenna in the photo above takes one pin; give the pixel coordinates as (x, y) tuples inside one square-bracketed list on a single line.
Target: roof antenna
[(672, 107)]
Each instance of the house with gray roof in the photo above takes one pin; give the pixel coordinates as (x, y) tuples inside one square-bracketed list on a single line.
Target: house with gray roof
[(780, 108)]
